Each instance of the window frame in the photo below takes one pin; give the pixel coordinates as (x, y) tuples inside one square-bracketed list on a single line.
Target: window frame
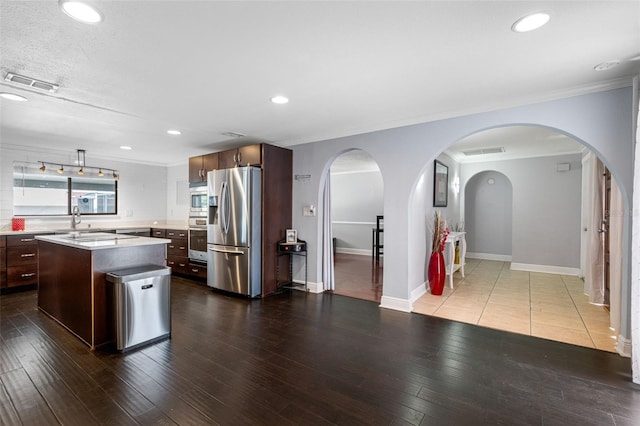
[(69, 197)]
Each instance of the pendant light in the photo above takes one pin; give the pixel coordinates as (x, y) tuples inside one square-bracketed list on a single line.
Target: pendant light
[(81, 167), (81, 163)]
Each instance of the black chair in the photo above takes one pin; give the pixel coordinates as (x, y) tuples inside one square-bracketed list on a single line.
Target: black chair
[(376, 240)]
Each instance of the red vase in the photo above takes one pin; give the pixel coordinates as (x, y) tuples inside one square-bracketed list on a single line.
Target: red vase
[(436, 273)]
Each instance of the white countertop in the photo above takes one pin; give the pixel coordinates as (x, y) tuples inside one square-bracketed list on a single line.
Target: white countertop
[(51, 230), (100, 240)]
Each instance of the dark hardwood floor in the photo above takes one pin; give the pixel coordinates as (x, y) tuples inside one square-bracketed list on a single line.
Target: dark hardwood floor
[(304, 359), (358, 276)]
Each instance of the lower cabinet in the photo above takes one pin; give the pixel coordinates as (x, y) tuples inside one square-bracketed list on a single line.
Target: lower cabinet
[(3, 262), (178, 253), (19, 261)]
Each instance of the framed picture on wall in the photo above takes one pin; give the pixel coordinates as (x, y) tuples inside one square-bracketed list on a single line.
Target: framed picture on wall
[(440, 184)]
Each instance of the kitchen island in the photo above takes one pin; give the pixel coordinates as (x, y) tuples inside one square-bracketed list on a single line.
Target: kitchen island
[(72, 270)]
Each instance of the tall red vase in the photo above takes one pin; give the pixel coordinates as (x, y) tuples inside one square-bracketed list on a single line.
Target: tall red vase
[(436, 273)]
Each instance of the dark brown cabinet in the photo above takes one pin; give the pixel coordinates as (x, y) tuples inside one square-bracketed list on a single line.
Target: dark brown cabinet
[(250, 155), (277, 183), (200, 165), (178, 253), (21, 260), (3, 262), (158, 233)]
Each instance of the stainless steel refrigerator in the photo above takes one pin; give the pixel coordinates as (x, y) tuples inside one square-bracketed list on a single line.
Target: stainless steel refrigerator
[(234, 230)]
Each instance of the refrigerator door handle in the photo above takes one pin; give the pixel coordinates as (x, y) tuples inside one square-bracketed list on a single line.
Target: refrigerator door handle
[(226, 251), (224, 207)]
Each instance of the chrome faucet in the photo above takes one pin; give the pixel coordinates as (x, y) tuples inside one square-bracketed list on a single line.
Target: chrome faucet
[(75, 217)]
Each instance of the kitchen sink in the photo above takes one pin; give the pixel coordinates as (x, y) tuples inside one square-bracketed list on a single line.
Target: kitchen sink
[(95, 236)]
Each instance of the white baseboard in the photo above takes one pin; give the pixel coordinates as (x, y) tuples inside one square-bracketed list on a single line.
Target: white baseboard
[(623, 346), (396, 304), (418, 292), (311, 287), (359, 252), (489, 256), (547, 269)]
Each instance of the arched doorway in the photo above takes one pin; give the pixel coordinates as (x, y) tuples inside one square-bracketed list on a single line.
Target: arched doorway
[(356, 213), (522, 213), (488, 210)]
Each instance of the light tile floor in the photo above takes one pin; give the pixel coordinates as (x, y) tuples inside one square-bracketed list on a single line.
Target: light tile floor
[(549, 306)]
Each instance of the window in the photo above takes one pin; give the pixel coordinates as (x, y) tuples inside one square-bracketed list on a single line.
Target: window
[(48, 194)]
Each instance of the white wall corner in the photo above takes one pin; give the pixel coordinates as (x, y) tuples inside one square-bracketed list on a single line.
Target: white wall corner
[(623, 346), (403, 305), (547, 269), (311, 286), (418, 292)]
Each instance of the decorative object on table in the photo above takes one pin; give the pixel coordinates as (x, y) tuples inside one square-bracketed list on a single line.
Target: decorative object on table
[(458, 228), (436, 272), (291, 236), (440, 184)]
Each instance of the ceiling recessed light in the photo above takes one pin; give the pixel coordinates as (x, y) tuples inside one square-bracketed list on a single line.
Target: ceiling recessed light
[(80, 11), (12, 97), (126, 148), (174, 132), (279, 99), (606, 65), (530, 22)]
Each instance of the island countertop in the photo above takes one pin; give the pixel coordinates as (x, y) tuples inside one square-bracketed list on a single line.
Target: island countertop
[(100, 240), (72, 272)]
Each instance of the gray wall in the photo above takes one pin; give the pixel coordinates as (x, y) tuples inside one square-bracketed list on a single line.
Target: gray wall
[(546, 208), (142, 190), (421, 216), (356, 200), (601, 121), (488, 214)]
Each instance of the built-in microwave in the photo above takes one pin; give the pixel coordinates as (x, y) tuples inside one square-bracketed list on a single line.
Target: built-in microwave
[(199, 203)]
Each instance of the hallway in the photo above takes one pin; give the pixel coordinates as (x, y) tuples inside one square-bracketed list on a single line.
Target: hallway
[(491, 295), (549, 306)]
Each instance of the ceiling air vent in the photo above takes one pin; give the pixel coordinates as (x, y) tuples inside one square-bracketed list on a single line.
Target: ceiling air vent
[(233, 134), (483, 151), (31, 82)]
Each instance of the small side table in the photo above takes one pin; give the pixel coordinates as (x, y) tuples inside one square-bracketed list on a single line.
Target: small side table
[(298, 248), (450, 253)]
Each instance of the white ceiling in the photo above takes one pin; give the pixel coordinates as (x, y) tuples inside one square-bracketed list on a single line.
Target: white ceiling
[(208, 67)]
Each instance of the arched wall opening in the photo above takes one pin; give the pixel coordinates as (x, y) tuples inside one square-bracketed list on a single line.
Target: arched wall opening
[(602, 121), (357, 225), (544, 231), (350, 199), (488, 213)]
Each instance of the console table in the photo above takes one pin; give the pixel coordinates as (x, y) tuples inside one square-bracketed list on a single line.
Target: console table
[(450, 254)]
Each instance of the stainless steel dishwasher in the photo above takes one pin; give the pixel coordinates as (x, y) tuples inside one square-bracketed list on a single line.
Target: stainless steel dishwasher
[(142, 305)]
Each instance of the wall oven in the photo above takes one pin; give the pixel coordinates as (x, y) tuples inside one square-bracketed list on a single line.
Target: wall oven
[(198, 239)]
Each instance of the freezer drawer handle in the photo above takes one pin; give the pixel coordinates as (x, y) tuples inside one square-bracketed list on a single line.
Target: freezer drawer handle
[(226, 251)]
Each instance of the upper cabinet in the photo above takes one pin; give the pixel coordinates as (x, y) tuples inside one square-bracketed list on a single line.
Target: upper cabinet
[(202, 164), (250, 155)]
